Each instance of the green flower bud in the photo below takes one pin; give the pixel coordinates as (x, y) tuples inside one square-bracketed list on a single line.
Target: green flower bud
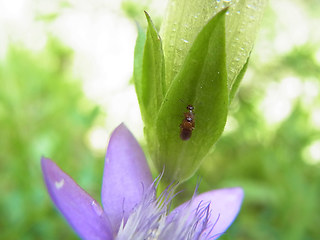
[(186, 81)]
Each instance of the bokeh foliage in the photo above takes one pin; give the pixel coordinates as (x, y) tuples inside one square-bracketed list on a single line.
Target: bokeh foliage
[(43, 112)]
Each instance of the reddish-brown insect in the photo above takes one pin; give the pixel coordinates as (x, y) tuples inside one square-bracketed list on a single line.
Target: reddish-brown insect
[(187, 124)]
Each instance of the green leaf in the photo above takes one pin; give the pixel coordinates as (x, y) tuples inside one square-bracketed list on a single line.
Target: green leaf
[(202, 82)]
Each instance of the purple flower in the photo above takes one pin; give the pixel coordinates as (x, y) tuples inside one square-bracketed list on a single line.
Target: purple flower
[(130, 207)]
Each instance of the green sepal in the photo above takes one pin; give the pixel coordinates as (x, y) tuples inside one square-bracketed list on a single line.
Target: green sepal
[(238, 80), (202, 82), (149, 73), (138, 64)]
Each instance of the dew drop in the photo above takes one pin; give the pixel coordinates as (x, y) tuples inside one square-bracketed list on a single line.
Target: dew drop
[(96, 208), (186, 41), (59, 184)]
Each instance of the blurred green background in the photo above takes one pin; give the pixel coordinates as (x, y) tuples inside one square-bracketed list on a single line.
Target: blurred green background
[(54, 104)]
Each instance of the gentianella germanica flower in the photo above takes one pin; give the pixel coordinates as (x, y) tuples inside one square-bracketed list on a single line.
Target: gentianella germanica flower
[(131, 209)]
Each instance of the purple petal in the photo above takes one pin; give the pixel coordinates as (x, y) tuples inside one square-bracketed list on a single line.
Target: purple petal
[(220, 207), (82, 212), (126, 176)]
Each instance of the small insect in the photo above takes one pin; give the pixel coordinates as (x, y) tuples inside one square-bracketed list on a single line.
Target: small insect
[(187, 124)]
